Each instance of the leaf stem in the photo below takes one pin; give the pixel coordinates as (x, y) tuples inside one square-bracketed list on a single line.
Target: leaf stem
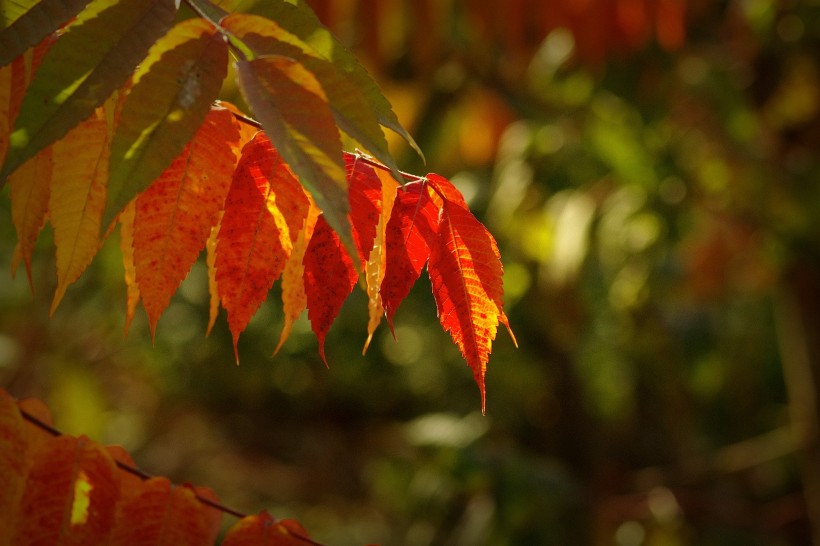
[(145, 476)]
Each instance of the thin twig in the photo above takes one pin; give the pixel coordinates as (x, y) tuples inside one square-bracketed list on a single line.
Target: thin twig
[(145, 476)]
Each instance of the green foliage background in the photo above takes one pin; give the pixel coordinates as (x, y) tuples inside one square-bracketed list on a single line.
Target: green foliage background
[(657, 217)]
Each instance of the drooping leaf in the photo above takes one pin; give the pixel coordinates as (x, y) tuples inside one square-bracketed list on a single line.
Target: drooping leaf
[(161, 514), (210, 261), (35, 24), (264, 212), (293, 109), (294, 300), (263, 530), (14, 457), (30, 186), (466, 275), (70, 495), (174, 216), (365, 198), (352, 110), (299, 20), (126, 220), (80, 71), (413, 223), (76, 203), (329, 279), (171, 95)]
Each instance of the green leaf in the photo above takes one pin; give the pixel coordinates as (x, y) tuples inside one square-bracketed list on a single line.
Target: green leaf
[(293, 109), (172, 92), (11, 10), (82, 69), (350, 106), (32, 26), (298, 19)]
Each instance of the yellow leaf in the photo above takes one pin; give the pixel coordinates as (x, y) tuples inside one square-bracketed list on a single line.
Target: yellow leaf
[(127, 249)]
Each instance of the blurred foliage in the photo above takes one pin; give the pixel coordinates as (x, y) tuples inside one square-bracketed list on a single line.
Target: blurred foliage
[(652, 182)]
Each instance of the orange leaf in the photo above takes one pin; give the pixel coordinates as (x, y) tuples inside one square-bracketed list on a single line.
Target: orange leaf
[(264, 212), (126, 220), (210, 261), (294, 300), (466, 275), (413, 223), (161, 514), (14, 458), (174, 216), (70, 495), (329, 279), (76, 204), (263, 530), (29, 206)]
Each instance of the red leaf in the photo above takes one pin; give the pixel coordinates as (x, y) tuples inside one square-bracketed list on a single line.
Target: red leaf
[(413, 224), (329, 279), (263, 530), (264, 212), (365, 197), (174, 216), (466, 275)]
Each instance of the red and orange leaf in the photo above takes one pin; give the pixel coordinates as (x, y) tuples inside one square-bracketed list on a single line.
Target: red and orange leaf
[(126, 220), (264, 212), (263, 530), (162, 514), (466, 275), (36, 437), (374, 269), (30, 188), (174, 216), (213, 516), (70, 495), (14, 457), (413, 224), (171, 95), (210, 261), (76, 204), (329, 279), (130, 484), (294, 300)]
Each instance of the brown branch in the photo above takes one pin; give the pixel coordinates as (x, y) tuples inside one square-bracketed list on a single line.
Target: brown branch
[(145, 476)]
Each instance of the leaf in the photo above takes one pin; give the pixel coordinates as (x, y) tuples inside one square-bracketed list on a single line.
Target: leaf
[(210, 261), (30, 186), (161, 514), (300, 20), (413, 224), (466, 275), (39, 21), (14, 461), (294, 299), (126, 220), (351, 108), (293, 109), (329, 279), (174, 216), (94, 57), (263, 530), (171, 95), (76, 203), (70, 495), (264, 212)]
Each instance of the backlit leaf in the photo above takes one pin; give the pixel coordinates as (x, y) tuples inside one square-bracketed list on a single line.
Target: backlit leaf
[(30, 186), (76, 203), (264, 212), (35, 24), (466, 276), (365, 198), (126, 220), (294, 299), (94, 57), (171, 94), (210, 262), (351, 108), (413, 223), (161, 514), (293, 109), (174, 216), (263, 530), (70, 495), (14, 458), (329, 279)]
